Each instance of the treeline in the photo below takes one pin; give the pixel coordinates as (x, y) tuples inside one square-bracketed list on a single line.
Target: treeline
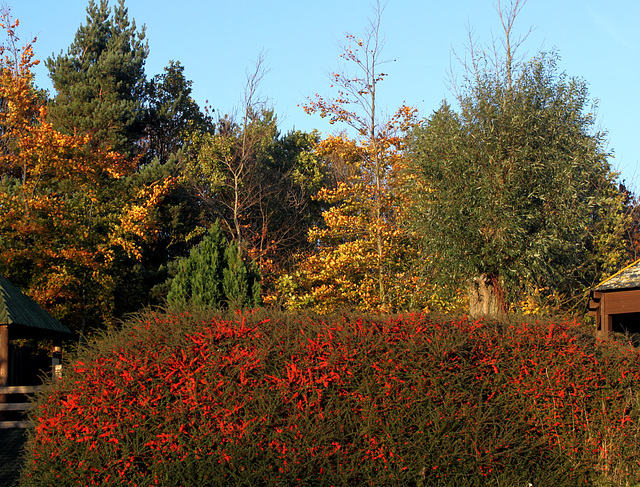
[(109, 185)]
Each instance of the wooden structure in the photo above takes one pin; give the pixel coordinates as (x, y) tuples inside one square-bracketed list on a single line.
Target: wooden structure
[(19, 406), (615, 303), (21, 317)]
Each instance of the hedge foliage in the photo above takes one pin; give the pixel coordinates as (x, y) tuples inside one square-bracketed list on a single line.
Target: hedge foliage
[(411, 400)]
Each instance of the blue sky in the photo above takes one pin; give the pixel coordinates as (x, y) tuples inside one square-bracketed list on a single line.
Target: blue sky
[(218, 41)]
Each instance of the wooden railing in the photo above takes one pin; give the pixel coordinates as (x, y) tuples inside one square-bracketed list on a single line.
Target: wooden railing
[(6, 405)]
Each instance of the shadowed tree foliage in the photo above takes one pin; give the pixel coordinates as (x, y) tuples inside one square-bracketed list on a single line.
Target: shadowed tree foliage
[(172, 114), (172, 120), (257, 182), (175, 219)]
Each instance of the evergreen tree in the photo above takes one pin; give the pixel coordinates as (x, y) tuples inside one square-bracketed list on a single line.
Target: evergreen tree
[(215, 276), (100, 82), (172, 113), (241, 282), (171, 120)]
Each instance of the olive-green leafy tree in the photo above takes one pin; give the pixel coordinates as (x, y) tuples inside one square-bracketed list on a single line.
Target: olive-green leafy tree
[(258, 182), (514, 193), (215, 275)]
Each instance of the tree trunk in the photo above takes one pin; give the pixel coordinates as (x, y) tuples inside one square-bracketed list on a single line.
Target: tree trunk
[(486, 298)]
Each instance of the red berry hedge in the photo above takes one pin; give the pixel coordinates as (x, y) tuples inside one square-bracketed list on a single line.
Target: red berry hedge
[(177, 400)]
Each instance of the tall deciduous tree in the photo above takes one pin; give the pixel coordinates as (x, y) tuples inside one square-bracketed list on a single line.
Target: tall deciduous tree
[(67, 212), (514, 193), (257, 182), (100, 81), (226, 168), (360, 247)]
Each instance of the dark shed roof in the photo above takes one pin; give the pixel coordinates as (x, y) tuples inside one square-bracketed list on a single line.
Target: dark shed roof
[(18, 309), (627, 278)]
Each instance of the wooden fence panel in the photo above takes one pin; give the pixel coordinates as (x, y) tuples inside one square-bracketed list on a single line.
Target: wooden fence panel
[(13, 404)]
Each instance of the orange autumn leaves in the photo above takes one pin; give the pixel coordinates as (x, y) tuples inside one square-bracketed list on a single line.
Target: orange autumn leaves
[(65, 210), (342, 272), (363, 210)]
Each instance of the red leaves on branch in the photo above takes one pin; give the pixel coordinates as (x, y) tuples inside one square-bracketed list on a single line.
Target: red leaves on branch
[(345, 399)]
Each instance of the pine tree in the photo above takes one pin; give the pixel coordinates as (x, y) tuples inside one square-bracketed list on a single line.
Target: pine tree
[(214, 275), (173, 114), (100, 82)]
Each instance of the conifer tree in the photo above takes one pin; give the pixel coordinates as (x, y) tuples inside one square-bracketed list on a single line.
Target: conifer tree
[(173, 114), (215, 275), (241, 282), (100, 81)]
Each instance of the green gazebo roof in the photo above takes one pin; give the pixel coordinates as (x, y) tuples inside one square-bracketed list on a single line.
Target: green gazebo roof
[(20, 310)]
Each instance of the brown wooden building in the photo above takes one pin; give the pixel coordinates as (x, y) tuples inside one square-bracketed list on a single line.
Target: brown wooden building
[(615, 303), (23, 318)]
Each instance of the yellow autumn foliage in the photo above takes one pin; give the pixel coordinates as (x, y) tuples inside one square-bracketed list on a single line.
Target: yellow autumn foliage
[(66, 210)]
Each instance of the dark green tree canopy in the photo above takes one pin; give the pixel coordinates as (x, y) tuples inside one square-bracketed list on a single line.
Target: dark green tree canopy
[(100, 82), (258, 182), (517, 185), (172, 113)]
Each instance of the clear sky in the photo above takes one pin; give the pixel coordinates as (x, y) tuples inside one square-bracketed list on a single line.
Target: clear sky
[(218, 42)]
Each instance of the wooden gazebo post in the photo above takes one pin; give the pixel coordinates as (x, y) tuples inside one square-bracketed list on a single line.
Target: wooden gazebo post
[(4, 356), (56, 360), (26, 319)]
